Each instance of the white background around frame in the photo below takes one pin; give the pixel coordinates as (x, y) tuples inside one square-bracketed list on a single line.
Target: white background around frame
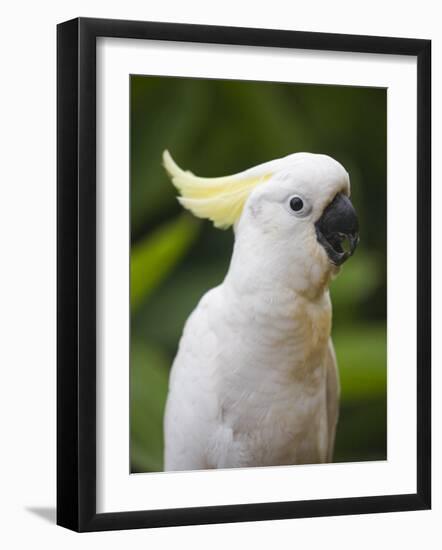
[(116, 489), (27, 289)]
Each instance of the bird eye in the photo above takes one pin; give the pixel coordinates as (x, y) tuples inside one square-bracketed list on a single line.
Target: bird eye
[(296, 204), (299, 206)]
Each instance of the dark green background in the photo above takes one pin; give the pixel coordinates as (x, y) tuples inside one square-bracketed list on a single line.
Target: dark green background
[(215, 128)]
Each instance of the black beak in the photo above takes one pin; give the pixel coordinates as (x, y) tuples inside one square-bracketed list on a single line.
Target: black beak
[(337, 229)]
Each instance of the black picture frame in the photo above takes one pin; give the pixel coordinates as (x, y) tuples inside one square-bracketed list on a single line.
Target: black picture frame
[(76, 273)]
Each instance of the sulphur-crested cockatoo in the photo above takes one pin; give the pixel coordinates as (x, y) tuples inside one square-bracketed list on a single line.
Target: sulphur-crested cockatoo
[(254, 382)]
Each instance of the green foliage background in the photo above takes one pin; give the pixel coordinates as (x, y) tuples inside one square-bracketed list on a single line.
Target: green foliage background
[(214, 128)]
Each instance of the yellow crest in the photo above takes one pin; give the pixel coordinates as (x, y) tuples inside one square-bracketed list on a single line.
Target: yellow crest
[(220, 200)]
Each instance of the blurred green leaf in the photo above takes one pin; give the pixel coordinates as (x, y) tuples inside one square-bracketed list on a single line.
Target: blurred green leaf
[(162, 117), (155, 256), (174, 301), (361, 352), (148, 392), (362, 430), (359, 278), (278, 128)]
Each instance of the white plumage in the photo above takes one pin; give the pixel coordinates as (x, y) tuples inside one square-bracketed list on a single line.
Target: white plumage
[(254, 382)]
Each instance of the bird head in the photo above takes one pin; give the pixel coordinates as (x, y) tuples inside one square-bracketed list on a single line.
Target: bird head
[(293, 218)]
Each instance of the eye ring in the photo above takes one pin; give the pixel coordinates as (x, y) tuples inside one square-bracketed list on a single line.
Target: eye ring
[(299, 206)]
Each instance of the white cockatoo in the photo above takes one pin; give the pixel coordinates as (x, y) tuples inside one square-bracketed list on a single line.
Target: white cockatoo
[(254, 381)]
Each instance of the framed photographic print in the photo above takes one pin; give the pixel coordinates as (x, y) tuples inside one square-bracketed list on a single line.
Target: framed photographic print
[(243, 274)]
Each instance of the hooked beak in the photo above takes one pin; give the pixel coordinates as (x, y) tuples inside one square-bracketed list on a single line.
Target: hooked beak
[(337, 229)]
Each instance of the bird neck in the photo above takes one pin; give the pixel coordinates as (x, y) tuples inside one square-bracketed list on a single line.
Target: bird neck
[(257, 268), (277, 327)]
